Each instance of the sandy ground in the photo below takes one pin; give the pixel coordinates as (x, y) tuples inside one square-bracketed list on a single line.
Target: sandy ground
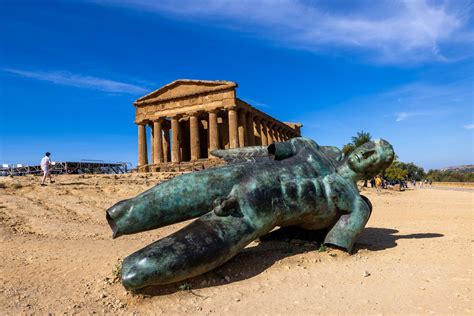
[(415, 256)]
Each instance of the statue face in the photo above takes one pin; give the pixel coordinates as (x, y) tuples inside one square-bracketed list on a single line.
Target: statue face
[(371, 158)]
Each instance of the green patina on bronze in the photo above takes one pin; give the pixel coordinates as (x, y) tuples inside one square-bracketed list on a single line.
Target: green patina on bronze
[(294, 183)]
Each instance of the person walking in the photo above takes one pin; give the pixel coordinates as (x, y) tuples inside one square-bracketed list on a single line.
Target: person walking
[(45, 167), (378, 183)]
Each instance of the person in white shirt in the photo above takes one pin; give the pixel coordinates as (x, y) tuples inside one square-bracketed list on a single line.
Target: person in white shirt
[(45, 166)]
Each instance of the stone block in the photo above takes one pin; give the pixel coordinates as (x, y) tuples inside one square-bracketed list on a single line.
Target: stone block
[(229, 94), (228, 103)]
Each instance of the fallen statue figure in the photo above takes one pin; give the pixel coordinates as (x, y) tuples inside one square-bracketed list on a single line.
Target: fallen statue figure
[(292, 183)]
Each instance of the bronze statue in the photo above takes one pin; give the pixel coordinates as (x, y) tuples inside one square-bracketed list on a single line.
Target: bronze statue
[(292, 183)]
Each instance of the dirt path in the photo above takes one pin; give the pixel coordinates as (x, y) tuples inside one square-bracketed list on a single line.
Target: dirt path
[(415, 256)]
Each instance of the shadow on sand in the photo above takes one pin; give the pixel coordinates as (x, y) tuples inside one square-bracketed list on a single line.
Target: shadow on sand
[(279, 244), (375, 239)]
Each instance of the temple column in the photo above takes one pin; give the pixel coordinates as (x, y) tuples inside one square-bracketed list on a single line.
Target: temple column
[(242, 129), (276, 134), (269, 133), (157, 142), (250, 133), (142, 152), (166, 145), (280, 135), (263, 133), (175, 156), (213, 132), (194, 137), (233, 132)]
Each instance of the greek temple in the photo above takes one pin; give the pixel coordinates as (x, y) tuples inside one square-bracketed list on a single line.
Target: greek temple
[(187, 119)]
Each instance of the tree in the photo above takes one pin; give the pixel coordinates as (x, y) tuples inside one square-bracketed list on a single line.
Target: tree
[(413, 171), (358, 140), (396, 171), (361, 138)]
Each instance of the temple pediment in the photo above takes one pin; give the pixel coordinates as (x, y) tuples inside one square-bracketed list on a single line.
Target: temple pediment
[(182, 88)]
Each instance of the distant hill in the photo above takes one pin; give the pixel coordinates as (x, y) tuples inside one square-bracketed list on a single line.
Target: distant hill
[(461, 169), (452, 174)]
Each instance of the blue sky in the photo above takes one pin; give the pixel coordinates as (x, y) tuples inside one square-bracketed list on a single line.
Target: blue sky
[(401, 70)]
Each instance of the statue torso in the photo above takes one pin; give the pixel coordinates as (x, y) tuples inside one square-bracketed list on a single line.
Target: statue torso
[(304, 190)]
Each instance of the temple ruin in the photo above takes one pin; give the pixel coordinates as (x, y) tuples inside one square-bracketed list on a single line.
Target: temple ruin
[(190, 118)]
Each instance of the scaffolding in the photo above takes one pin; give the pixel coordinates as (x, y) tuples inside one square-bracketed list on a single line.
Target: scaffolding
[(68, 167)]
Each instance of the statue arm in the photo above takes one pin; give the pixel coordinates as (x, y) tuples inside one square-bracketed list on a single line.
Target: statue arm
[(349, 226)]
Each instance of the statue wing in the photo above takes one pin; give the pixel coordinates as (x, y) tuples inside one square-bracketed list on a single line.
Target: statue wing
[(245, 154), (277, 151)]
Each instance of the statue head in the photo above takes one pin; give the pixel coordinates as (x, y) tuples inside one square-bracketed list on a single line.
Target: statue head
[(371, 158)]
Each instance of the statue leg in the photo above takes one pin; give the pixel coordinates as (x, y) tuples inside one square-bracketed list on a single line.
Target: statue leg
[(179, 199), (199, 247)]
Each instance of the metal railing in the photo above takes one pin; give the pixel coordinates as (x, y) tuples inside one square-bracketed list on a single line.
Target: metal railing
[(68, 167)]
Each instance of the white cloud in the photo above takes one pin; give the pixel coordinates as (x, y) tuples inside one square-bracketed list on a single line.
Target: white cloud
[(79, 81), (404, 31), (421, 100), (469, 126), (428, 100), (401, 116)]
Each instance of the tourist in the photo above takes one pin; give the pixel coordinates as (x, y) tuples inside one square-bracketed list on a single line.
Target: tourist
[(372, 183), (45, 167), (378, 183)]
